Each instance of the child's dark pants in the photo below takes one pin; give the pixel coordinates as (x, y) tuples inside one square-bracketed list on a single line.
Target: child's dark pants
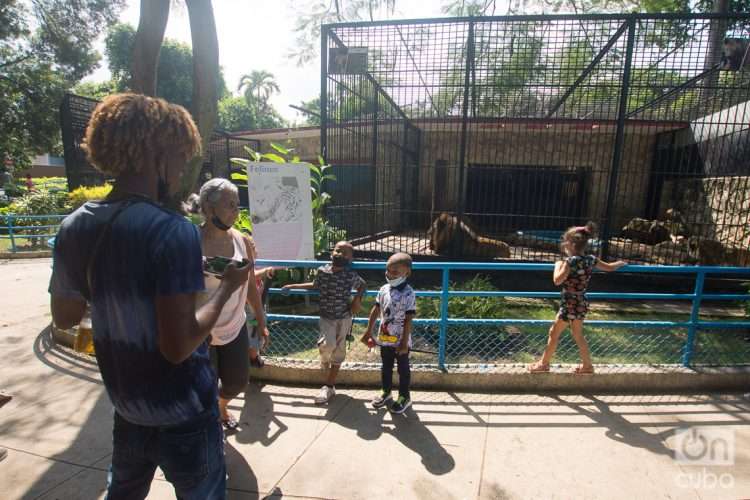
[(388, 355)]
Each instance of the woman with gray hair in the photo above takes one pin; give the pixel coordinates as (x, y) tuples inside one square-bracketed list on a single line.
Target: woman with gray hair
[(218, 203)]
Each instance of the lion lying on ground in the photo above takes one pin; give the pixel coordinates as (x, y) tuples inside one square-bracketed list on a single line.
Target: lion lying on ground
[(455, 236)]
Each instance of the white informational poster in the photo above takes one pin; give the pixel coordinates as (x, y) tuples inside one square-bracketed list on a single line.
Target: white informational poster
[(281, 210)]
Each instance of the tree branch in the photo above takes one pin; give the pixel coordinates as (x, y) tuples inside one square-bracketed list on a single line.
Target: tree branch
[(338, 10), (18, 60)]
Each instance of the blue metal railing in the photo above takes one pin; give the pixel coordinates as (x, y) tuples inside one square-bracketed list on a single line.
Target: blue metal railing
[(10, 229), (445, 294)]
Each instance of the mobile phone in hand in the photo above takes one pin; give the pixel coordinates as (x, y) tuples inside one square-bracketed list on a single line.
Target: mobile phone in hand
[(217, 265)]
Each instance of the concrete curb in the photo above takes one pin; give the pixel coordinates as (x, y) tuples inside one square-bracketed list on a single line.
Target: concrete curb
[(42, 254), (510, 378), (622, 379)]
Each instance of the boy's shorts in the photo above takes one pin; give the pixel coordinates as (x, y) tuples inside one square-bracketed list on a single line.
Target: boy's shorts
[(254, 337), (332, 340), (255, 340)]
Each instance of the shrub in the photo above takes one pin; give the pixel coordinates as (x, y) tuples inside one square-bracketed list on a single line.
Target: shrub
[(40, 202), (49, 183), (13, 190), (83, 194), (467, 307)]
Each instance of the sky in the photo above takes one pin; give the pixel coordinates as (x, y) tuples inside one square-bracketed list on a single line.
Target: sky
[(257, 35)]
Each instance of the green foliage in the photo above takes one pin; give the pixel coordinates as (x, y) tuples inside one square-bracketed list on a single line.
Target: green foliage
[(467, 307), (324, 234), (41, 202), (311, 15), (466, 8), (244, 223), (96, 90), (235, 115), (508, 89), (51, 183), (254, 111), (314, 106), (79, 196), (46, 46), (258, 87), (174, 78), (30, 93), (14, 189)]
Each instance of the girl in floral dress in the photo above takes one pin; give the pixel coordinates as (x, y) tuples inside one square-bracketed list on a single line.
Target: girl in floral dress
[(573, 273)]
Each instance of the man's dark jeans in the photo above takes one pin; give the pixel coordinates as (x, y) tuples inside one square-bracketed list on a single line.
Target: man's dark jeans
[(191, 455)]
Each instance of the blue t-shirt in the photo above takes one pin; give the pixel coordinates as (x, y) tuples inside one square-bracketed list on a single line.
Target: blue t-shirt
[(149, 252)]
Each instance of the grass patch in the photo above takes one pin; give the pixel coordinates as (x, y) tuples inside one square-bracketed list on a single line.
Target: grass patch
[(24, 244)]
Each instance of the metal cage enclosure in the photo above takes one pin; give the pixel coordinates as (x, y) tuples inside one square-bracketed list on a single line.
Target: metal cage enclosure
[(526, 125)]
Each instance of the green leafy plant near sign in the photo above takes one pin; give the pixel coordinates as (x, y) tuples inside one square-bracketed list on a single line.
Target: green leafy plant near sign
[(243, 223), (324, 233)]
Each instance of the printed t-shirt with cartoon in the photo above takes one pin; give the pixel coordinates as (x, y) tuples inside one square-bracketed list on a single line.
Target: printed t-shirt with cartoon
[(395, 304)]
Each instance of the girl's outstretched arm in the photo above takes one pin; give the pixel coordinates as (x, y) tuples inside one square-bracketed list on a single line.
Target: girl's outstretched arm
[(562, 269), (610, 266)]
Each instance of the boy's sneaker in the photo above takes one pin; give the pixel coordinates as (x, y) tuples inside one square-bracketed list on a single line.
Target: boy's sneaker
[(381, 400), (400, 405), (325, 395)]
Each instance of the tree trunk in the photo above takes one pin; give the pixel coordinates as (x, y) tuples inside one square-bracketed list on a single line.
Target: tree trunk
[(716, 35), (205, 80), (148, 40)]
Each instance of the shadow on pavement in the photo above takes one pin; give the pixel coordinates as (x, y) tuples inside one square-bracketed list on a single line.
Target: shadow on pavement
[(257, 417)]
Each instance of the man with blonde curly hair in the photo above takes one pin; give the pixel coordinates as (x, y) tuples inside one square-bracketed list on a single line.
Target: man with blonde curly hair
[(139, 266)]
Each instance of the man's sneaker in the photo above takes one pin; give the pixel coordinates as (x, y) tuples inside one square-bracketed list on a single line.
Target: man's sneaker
[(325, 395), (400, 405), (381, 400)]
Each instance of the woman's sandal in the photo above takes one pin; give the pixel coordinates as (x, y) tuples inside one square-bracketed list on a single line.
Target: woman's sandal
[(230, 423), (538, 368), (582, 370)]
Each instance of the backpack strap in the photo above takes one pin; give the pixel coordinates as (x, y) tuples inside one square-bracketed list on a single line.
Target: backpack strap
[(99, 240)]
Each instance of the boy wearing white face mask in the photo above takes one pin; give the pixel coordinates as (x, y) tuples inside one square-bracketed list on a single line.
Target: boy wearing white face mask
[(396, 305)]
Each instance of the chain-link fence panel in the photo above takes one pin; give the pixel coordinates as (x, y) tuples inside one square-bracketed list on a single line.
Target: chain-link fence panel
[(501, 344), (293, 339), (526, 343), (721, 347)]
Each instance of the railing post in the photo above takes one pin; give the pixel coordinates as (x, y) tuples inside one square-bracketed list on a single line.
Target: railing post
[(10, 233), (443, 317), (694, 317)]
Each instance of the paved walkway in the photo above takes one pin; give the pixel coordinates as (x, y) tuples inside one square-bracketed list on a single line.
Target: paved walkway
[(452, 446)]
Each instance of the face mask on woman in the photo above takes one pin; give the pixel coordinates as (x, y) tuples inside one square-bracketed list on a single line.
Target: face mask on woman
[(217, 222)]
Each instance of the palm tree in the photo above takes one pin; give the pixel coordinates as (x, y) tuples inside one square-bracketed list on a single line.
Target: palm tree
[(258, 87)]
